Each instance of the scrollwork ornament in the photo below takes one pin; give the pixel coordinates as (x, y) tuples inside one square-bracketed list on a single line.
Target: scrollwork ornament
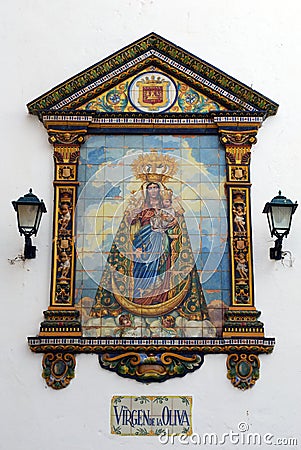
[(156, 367)]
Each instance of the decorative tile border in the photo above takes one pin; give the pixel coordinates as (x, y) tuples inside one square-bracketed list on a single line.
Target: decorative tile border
[(132, 119), (211, 344)]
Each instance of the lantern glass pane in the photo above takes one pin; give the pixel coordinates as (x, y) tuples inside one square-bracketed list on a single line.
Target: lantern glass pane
[(38, 219), (270, 220), (281, 217), (27, 216)]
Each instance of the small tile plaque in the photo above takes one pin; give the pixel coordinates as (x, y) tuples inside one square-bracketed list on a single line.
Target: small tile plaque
[(151, 415)]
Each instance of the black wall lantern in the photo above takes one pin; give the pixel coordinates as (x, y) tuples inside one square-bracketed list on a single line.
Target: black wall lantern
[(279, 211), (29, 213)]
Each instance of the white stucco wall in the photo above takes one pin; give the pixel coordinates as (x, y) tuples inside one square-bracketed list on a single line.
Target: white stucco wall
[(43, 43)]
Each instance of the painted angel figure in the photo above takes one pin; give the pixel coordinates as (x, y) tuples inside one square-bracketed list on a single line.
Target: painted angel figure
[(64, 266), (241, 265), (239, 218)]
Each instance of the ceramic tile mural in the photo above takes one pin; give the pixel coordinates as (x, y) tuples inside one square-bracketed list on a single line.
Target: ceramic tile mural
[(151, 415), (148, 143), (151, 239)]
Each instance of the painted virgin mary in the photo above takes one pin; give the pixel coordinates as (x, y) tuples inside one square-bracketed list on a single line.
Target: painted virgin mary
[(150, 270)]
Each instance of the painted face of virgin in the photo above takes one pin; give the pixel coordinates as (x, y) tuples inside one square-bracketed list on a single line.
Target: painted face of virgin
[(153, 190)]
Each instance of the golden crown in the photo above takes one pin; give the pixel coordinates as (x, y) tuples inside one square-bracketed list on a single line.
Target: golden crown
[(152, 80), (166, 194), (154, 167)]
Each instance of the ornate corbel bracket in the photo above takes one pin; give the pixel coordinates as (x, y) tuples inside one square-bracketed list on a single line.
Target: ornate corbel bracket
[(243, 370), (58, 369)]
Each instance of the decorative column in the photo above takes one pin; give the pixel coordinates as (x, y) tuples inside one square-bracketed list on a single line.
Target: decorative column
[(242, 316), (61, 318)]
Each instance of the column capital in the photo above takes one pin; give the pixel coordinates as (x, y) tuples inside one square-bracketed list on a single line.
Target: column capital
[(66, 138), (237, 142), (245, 138)]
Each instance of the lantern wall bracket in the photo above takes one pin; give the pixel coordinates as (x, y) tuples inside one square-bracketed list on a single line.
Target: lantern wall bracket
[(276, 252)]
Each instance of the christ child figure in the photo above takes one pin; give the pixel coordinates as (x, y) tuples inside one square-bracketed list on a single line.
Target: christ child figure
[(164, 218)]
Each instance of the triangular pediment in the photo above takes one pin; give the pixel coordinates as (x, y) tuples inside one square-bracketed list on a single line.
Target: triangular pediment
[(152, 75)]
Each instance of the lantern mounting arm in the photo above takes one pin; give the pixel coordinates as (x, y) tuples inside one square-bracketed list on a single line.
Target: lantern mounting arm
[(276, 251), (29, 249)]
